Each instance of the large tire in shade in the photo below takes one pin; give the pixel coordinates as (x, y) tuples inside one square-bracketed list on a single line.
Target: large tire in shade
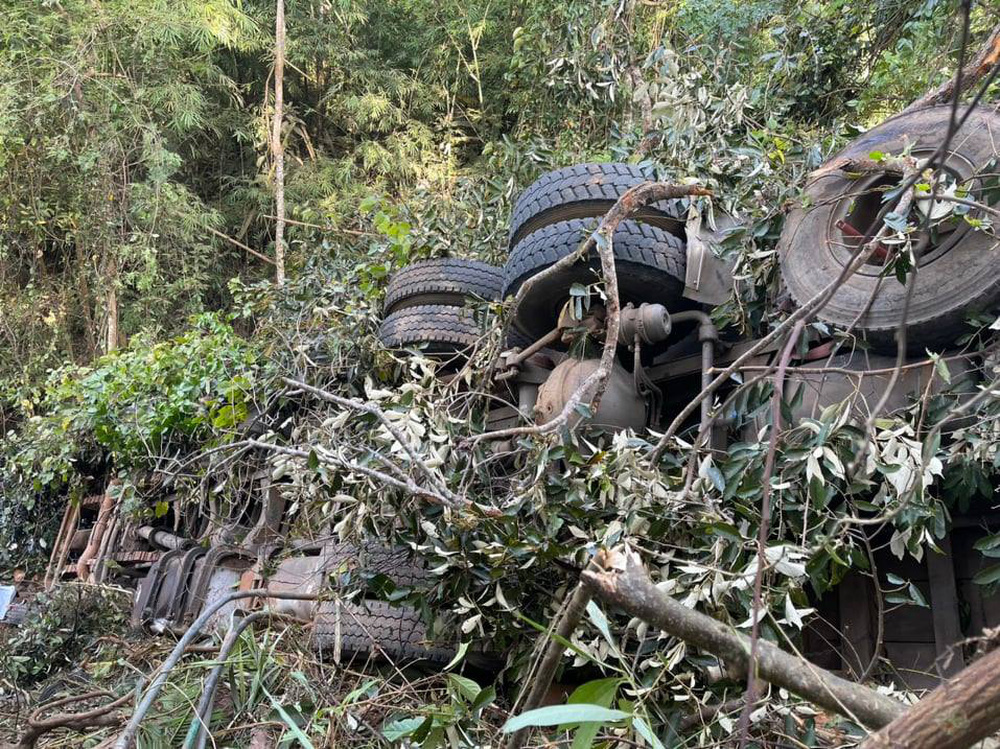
[(588, 191), (650, 264), (437, 328), (958, 273), (442, 281)]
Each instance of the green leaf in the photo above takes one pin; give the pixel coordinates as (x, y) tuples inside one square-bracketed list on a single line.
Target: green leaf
[(642, 728), (290, 722), (462, 650), (988, 576), (987, 542), (942, 369), (399, 729), (556, 715), (598, 692), (600, 621), (485, 698), (464, 686), (917, 597)]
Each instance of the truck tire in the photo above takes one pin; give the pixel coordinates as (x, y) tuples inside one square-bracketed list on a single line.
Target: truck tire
[(376, 629), (650, 264), (442, 281), (957, 273), (588, 191), (442, 330)]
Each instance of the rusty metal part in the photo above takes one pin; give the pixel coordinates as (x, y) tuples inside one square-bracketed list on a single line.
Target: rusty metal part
[(621, 406), (83, 565), (570, 326), (649, 323), (514, 357), (135, 557), (109, 541)]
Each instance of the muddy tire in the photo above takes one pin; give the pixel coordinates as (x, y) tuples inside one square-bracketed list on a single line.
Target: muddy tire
[(442, 281), (957, 274), (649, 261), (440, 330), (588, 191)]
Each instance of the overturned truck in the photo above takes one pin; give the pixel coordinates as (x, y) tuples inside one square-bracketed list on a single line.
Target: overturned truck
[(668, 348)]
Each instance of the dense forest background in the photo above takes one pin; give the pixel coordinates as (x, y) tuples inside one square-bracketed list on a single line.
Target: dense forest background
[(134, 134), (139, 319)]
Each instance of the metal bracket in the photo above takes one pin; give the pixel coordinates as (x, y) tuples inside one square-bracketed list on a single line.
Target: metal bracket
[(708, 279)]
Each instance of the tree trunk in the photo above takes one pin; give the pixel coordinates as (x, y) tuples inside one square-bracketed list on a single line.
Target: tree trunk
[(112, 339), (956, 715), (277, 148)]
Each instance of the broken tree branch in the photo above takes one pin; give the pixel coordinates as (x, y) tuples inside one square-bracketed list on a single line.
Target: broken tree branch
[(572, 612), (984, 61), (624, 582), (98, 717)]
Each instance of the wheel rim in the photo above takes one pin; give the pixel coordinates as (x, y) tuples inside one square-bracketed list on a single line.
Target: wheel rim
[(859, 210)]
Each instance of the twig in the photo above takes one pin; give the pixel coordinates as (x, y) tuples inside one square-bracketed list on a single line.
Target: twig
[(765, 527), (239, 244), (378, 413), (100, 716)]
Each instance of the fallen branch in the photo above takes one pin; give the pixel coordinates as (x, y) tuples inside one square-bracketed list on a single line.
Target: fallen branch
[(240, 244), (98, 717), (624, 582)]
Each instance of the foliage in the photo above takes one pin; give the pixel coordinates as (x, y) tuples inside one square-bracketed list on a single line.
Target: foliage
[(67, 621), (121, 414)]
